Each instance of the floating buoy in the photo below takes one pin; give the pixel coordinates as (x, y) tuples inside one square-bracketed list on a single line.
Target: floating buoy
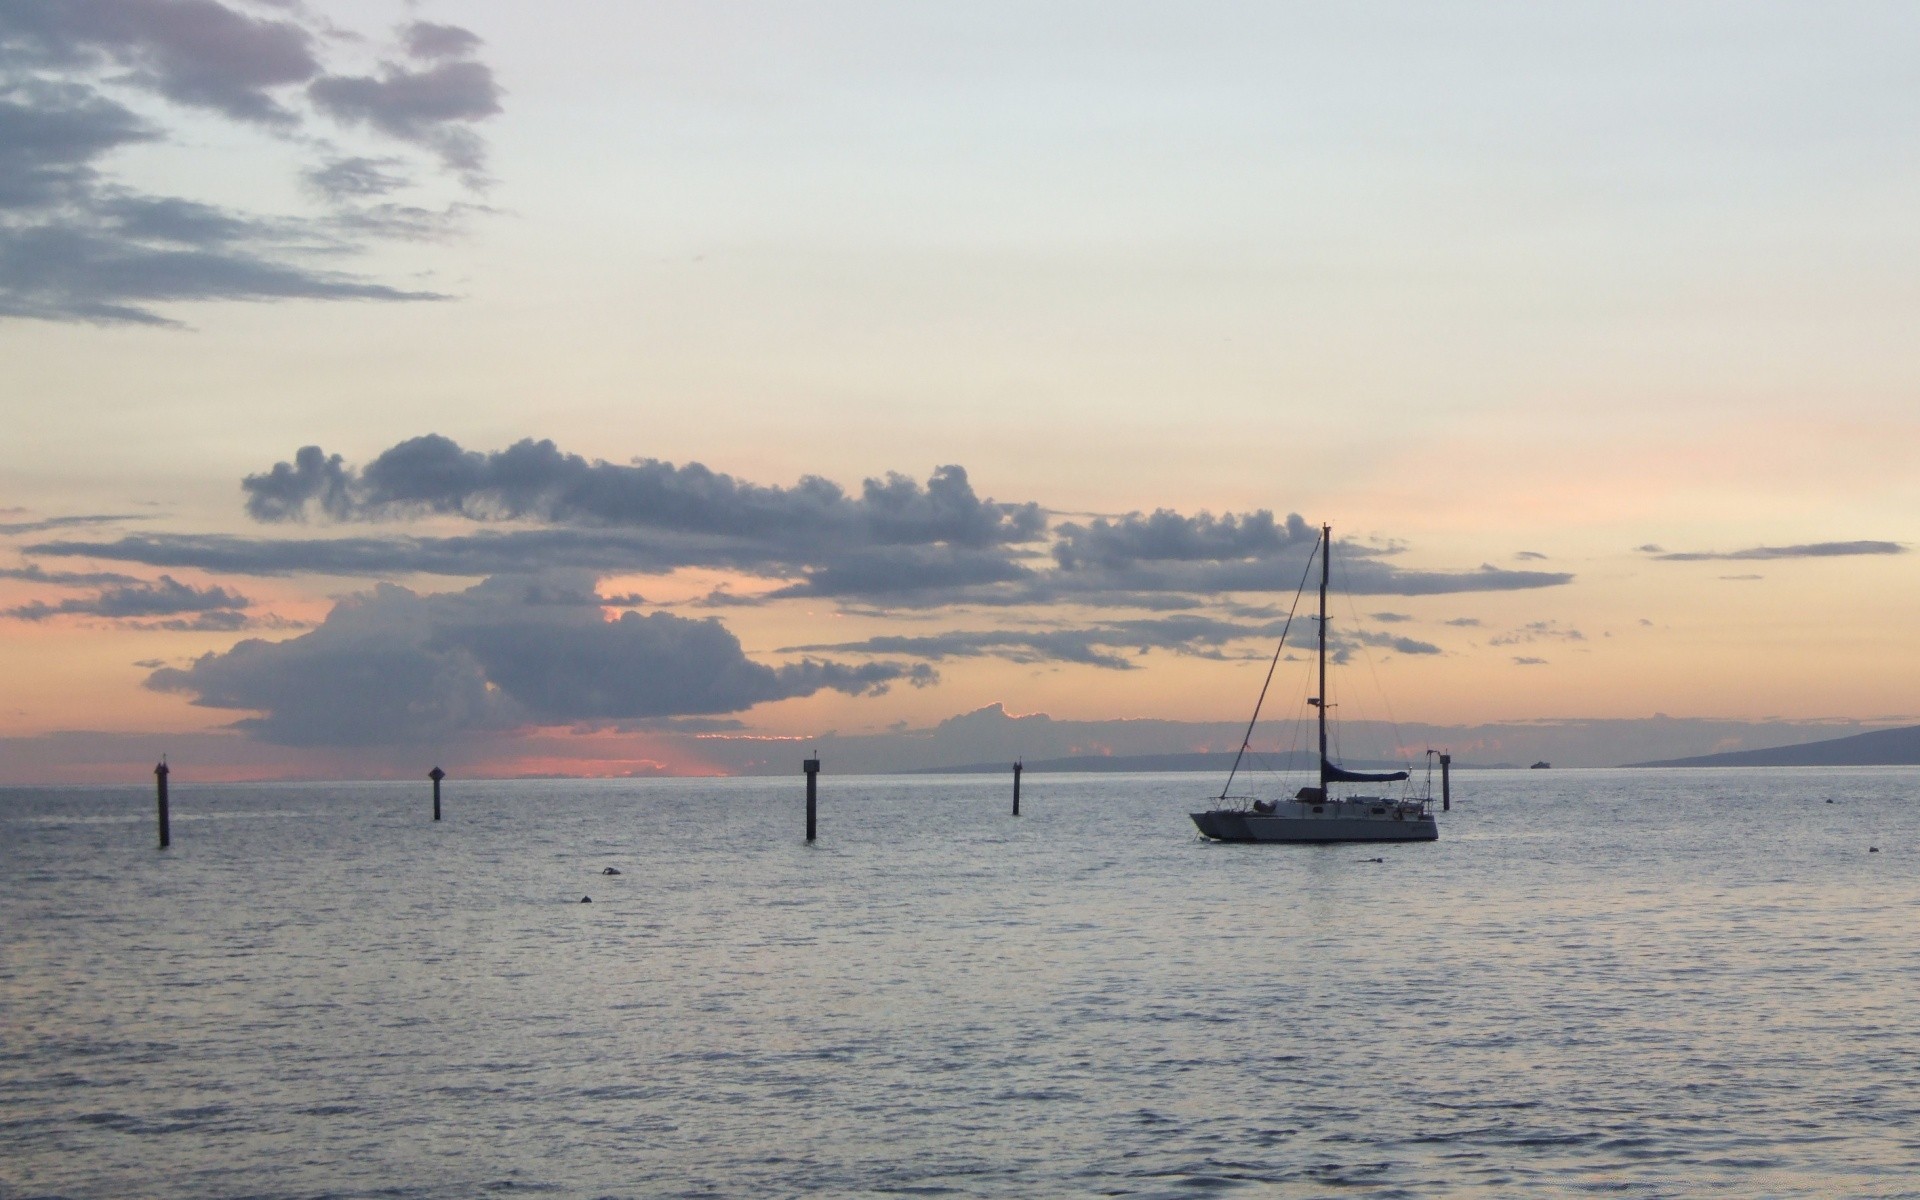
[(1829, 800), (611, 871), (586, 899), (1873, 849)]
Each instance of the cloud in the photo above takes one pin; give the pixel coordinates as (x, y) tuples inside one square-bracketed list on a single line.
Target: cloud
[(314, 479), (1529, 662), (1098, 646), (1390, 618), (107, 272), (897, 542), (162, 597), (1101, 645), (356, 177), (424, 39), (1404, 645), (433, 106), (1761, 553), (536, 480), (48, 523), (1465, 622), (193, 52), (1169, 536), (50, 136), (33, 573), (1530, 556), (77, 245), (391, 666), (1535, 631)]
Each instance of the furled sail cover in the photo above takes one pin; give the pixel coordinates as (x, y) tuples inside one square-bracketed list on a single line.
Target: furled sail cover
[(1339, 774)]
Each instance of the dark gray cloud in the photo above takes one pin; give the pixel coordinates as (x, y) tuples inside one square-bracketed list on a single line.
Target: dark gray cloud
[(162, 597), (536, 480), (34, 573), (1169, 536), (1083, 646), (105, 273), (424, 39), (1529, 662), (904, 577), (896, 543), (357, 177), (392, 666), (194, 52), (1536, 631), (1761, 553), (407, 222), (46, 524), (1388, 641), (472, 556), (75, 245), (1390, 618), (434, 106), (914, 575), (1465, 622), (51, 135), (313, 480), (1113, 645), (1355, 577), (1530, 556)]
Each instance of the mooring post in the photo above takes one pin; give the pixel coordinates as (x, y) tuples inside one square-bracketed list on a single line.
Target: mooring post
[(1446, 783), (436, 775), (813, 774), (1016, 787), (160, 779)]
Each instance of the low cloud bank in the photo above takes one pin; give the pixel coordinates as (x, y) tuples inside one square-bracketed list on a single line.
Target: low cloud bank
[(392, 666)]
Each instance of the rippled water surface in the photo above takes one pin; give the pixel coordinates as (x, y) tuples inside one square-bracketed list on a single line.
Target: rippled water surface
[(1611, 983)]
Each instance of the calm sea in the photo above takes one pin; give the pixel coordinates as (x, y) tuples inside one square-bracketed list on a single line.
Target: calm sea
[(1610, 983)]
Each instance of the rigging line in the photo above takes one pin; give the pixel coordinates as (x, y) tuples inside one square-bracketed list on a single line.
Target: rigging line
[(1373, 668), (1255, 719)]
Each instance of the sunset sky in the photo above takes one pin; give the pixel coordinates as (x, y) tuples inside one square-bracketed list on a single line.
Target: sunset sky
[(684, 375)]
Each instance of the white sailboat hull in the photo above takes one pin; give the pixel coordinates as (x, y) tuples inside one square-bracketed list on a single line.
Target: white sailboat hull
[(1361, 819)]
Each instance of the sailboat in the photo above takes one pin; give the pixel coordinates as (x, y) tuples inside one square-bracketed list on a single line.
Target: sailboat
[(1315, 814)]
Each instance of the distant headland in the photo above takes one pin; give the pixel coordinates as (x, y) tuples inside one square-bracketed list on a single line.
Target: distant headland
[(1880, 748)]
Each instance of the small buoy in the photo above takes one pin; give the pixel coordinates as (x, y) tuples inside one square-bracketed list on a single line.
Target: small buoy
[(1873, 849), (586, 899), (1829, 799), (616, 870)]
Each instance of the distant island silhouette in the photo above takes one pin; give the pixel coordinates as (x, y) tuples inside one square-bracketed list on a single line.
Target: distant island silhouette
[(1880, 748)]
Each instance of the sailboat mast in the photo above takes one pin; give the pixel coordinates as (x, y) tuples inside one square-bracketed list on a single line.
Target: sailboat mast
[(1326, 554)]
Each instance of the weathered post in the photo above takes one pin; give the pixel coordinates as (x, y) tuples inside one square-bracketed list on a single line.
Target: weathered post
[(436, 775), (1446, 783), (1016, 787), (813, 774), (160, 779)]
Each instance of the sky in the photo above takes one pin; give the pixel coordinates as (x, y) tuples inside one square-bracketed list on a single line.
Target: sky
[(642, 388)]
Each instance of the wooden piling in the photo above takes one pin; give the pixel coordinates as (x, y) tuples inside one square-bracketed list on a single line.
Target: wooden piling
[(436, 775), (1446, 783), (1016, 786), (812, 766), (160, 779)]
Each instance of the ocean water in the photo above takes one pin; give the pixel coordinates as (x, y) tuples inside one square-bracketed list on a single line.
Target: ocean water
[(1608, 983)]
